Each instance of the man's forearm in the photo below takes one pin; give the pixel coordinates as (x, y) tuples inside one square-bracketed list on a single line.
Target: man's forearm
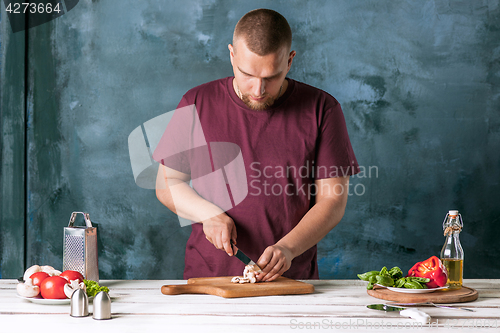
[(183, 200), (173, 190)]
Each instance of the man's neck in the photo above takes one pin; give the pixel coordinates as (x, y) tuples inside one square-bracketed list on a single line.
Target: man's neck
[(282, 90), (285, 86)]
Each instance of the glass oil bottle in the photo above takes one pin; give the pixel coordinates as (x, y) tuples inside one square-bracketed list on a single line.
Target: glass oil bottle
[(452, 254)]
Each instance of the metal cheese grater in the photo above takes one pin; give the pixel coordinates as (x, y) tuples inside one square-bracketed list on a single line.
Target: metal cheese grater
[(80, 248)]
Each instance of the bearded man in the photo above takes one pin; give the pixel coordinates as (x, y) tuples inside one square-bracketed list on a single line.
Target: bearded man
[(282, 127)]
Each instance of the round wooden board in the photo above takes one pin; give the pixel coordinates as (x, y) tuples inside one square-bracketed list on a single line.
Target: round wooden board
[(465, 294)]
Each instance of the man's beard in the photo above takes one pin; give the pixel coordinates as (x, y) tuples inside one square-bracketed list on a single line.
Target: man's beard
[(258, 106)]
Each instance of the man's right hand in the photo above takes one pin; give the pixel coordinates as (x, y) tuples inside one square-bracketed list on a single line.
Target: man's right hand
[(219, 231)]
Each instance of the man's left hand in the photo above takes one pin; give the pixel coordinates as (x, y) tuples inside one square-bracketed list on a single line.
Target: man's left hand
[(275, 261)]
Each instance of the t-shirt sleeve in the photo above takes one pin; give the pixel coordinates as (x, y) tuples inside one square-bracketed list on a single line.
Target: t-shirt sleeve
[(334, 153), (182, 135)]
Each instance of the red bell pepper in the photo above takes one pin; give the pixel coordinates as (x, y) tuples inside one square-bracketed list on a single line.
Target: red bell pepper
[(432, 269)]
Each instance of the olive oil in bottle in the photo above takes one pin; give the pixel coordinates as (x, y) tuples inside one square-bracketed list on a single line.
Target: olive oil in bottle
[(452, 254), (455, 272)]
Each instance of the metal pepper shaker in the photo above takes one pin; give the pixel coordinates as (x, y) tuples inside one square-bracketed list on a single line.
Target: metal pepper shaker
[(102, 306)]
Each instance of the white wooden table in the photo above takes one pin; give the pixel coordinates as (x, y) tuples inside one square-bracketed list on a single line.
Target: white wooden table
[(336, 305)]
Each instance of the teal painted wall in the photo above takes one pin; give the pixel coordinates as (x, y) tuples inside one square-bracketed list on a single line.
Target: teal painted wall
[(12, 153), (419, 83)]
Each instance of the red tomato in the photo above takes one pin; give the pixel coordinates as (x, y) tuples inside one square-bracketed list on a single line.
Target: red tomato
[(53, 287), (38, 278), (72, 275)]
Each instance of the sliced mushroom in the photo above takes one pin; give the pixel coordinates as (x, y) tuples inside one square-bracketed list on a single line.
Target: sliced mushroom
[(72, 286), (249, 275)]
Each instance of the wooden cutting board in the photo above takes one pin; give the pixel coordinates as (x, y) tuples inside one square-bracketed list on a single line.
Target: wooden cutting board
[(464, 294), (222, 286)]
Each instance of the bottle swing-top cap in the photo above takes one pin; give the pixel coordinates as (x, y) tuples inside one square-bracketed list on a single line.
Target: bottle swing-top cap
[(450, 228)]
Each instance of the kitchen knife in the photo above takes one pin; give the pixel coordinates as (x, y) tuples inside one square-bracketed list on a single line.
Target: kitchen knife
[(412, 313), (244, 258), (384, 307), (432, 304)]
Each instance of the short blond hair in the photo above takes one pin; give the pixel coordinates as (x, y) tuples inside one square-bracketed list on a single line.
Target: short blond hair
[(264, 31)]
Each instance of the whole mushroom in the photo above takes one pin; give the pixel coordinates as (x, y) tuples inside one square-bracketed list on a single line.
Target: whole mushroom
[(50, 270), (27, 289), (30, 271)]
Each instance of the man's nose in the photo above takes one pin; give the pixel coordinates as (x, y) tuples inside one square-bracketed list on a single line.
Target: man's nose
[(260, 87)]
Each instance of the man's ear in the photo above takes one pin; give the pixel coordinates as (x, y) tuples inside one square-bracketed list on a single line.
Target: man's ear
[(231, 53), (290, 59)]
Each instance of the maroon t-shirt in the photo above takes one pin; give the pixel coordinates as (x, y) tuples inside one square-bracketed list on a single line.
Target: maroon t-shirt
[(282, 150)]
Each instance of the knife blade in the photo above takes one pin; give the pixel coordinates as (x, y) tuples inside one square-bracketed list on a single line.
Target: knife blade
[(432, 304), (244, 258)]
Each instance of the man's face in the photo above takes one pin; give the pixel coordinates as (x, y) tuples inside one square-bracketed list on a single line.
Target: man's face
[(257, 79)]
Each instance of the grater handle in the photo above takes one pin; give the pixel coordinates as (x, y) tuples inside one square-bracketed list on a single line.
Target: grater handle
[(85, 215)]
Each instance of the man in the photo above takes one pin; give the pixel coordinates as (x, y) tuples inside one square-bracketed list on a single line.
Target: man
[(292, 137)]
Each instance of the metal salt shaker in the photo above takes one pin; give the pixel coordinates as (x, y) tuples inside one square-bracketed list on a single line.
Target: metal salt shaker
[(102, 306), (79, 304)]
